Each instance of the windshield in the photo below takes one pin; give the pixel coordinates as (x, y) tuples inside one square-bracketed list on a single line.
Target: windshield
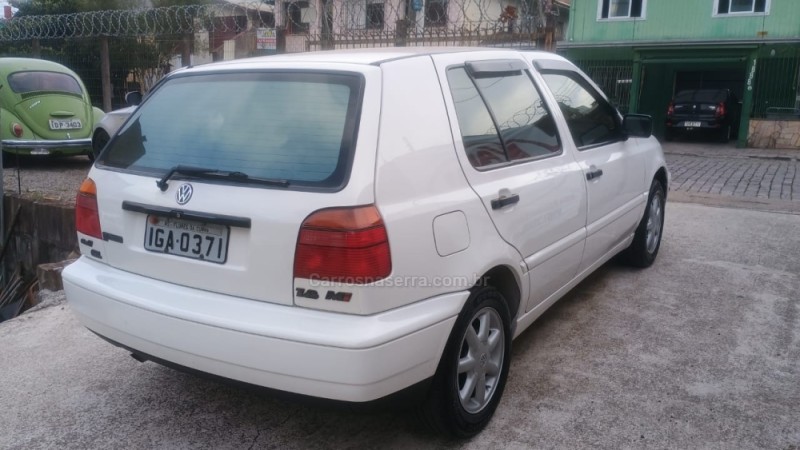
[(299, 127), (35, 81)]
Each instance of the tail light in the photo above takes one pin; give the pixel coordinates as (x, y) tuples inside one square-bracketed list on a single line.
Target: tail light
[(16, 129), (345, 245), (670, 109), (87, 219), (720, 112)]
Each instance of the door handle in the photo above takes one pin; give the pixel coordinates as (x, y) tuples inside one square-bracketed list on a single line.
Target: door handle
[(502, 202), (594, 173)]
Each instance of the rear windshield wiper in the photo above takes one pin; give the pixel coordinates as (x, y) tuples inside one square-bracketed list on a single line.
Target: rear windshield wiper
[(216, 174)]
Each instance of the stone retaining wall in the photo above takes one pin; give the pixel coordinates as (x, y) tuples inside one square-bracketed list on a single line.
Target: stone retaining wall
[(44, 233), (774, 134)]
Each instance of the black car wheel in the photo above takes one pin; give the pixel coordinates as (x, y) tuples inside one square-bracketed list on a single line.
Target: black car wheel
[(647, 238), (472, 373), (99, 141), (725, 134)]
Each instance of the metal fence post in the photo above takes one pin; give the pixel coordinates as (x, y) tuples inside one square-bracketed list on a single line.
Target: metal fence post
[(105, 73)]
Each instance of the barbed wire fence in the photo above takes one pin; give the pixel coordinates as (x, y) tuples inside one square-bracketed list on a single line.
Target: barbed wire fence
[(118, 51)]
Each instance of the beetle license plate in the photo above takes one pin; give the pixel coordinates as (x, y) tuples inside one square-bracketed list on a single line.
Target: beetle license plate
[(196, 240), (65, 124), (692, 124)]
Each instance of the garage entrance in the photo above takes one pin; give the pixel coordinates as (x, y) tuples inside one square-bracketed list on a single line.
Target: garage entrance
[(661, 81), (665, 72), (711, 79)]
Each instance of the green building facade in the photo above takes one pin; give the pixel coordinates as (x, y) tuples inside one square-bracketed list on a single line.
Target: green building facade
[(643, 51)]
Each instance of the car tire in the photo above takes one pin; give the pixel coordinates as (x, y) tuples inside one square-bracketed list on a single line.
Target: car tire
[(10, 159), (99, 141), (725, 134), (647, 238), (477, 353)]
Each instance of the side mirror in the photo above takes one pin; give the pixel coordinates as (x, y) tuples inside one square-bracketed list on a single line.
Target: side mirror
[(133, 98), (638, 125)]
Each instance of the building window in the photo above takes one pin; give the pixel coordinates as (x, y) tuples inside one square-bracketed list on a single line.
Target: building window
[(375, 14), (621, 9), (293, 13), (435, 13), (725, 7)]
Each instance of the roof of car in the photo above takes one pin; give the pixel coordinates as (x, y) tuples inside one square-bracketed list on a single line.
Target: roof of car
[(9, 65), (370, 56)]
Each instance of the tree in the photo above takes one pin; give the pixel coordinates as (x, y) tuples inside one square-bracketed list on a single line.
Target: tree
[(146, 57)]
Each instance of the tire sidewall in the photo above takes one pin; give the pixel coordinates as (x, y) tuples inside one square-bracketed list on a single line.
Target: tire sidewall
[(655, 190), (456, 419)]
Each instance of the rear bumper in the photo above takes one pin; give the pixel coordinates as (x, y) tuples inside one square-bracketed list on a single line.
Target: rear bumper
[(48, 147), (688, 124), (316, 353)]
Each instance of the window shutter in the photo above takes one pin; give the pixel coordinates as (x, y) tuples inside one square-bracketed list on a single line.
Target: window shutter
[(761, 6), (604, 12), (724, 7), (636, 8)]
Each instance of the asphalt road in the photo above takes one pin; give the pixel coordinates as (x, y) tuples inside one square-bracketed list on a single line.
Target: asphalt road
[(699, 351)]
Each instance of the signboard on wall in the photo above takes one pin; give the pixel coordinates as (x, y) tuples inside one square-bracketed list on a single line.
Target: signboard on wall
[(266, 39)]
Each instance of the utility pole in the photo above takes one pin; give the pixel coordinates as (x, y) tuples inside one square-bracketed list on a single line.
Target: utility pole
[(327, 25), (105, 73)]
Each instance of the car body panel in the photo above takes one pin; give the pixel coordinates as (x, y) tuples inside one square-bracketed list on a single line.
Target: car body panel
[(551, 212)]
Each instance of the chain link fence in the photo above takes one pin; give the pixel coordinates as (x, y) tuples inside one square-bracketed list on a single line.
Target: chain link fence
[(119, 51)]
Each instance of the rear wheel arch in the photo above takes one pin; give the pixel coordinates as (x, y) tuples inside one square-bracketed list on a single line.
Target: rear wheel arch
[(503, 279)]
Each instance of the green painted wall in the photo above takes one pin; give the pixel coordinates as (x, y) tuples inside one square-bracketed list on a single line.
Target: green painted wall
[(682, 20)]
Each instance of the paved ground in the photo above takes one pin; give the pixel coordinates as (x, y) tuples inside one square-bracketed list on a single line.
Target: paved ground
[(727, 176), (700, 351)]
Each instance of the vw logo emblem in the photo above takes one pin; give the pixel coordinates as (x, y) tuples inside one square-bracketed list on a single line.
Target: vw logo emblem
[(184, 194)]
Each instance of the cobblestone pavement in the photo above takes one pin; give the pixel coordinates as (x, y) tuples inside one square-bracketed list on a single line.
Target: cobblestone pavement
[(723, 175), (729, 171)]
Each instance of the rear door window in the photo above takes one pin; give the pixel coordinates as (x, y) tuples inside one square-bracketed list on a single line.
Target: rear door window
[(502, 118), (297, 127)]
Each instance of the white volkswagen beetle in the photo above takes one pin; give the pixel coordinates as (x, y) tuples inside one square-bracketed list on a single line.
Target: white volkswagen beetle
[(352, 224)]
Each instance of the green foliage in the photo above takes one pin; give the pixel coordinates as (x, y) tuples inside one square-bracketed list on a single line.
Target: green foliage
[(142, 56)]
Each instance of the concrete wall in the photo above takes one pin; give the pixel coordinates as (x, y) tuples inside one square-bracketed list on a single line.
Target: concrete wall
[(774, 134), (44, 233)]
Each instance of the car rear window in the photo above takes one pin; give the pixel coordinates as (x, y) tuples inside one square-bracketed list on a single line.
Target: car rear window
[(703, 95), (38, 81), (299, 127)]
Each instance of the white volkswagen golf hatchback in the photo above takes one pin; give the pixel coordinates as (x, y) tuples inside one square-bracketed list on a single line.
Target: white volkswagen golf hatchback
[(349, 225)]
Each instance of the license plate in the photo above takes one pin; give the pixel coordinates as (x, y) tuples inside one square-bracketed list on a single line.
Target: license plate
[(692, 124), (190, 239), (65, 124)]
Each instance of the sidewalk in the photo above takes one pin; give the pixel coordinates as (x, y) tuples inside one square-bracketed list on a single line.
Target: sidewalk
[(723, 175), (710, 149)]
